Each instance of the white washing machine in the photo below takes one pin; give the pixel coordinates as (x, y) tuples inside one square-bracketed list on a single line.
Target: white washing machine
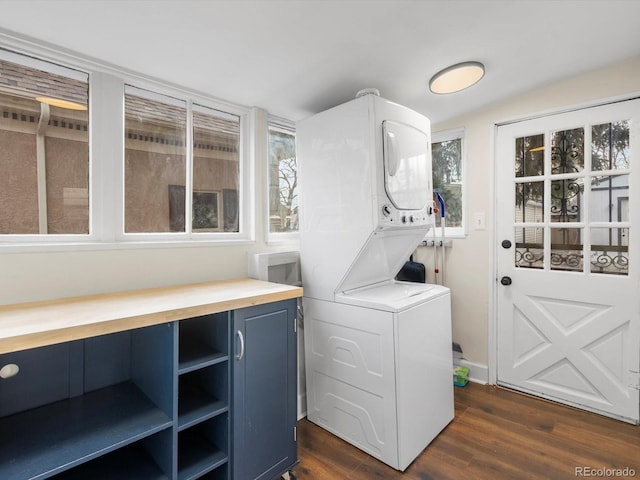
[(379, 368), (378, 351)]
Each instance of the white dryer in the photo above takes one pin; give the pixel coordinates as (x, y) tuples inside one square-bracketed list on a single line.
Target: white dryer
[(378, 352)]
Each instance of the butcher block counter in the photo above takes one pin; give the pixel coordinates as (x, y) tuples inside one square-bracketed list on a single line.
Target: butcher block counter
[(36, 324)]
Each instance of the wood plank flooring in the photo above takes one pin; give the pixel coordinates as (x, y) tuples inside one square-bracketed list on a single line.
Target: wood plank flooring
[(496, 434)]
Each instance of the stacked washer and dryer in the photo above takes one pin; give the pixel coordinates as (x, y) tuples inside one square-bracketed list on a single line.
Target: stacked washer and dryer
[(378, 351)]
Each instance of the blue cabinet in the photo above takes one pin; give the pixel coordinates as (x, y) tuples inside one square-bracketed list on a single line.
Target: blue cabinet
[(168, 401), (264, 406)]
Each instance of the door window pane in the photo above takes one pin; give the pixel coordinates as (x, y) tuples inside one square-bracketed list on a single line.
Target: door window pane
[(44, 159), (216, 171), (610, 250), (567, 249), (566, 200), (155, 160), (610, 146), (609, 201), (567, 151), (529, 157), (529, 251), (529, 202), (283, 181)]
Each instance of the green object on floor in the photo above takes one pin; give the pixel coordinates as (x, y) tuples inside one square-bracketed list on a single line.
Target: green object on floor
[(460, 376)]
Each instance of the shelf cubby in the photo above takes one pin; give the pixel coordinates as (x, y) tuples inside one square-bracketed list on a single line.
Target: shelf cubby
[(132, 462), (41, 442), (203, 394), (203, 341), (203, 448)]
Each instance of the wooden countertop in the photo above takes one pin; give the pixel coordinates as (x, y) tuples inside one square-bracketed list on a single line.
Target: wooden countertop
[(35, 324)]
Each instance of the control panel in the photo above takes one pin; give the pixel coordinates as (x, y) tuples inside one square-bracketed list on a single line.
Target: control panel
[(390, 216)]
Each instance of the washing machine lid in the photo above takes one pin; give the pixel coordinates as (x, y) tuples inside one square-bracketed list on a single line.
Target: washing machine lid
[(382, 256), (407, 155), (392, 295)]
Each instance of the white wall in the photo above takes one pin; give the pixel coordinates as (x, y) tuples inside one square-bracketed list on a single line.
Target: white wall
[(469, 267)]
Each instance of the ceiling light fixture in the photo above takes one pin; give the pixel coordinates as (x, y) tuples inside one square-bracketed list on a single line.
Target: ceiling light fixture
[(58, 102), (456, 77)]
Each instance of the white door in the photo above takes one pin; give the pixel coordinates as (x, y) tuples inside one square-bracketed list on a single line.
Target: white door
[(568, 290)]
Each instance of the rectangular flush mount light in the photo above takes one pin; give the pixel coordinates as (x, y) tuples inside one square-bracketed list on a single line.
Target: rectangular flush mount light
[(456, 77)]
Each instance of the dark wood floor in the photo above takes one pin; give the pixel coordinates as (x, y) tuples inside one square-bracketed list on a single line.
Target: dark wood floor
[(496, 434)]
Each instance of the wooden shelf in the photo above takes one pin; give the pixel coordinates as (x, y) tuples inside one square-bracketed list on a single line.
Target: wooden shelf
[(197, 456), (44, 441), (195, 406)]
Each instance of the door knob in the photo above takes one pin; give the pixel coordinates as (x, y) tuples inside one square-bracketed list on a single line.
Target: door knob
[(505, 281), (506, 243)]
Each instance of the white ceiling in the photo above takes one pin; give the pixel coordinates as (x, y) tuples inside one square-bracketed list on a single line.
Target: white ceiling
[(298, 57)]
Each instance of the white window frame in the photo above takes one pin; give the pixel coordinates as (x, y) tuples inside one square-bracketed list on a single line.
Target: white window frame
[(106, 154), (58, 68), (276, 123), (443, 136), (245, 196)]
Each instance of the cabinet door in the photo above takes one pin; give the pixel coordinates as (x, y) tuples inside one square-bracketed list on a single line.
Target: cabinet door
[(264, 391)]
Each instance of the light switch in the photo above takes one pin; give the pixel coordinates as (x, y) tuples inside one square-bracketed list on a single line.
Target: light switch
[(479, 221)]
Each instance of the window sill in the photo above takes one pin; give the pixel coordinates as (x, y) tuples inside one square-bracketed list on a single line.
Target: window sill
[(9, 248)]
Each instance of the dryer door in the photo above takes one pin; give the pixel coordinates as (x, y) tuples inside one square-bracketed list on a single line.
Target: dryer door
[(407, 165)]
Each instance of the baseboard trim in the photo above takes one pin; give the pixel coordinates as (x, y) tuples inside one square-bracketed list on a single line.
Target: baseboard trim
[(477, 373), (302, 405)]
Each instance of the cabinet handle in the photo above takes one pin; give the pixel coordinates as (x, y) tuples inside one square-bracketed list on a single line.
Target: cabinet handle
[(241, 354)]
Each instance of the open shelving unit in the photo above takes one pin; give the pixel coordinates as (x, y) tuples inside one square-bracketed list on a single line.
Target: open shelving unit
[(203, 397)]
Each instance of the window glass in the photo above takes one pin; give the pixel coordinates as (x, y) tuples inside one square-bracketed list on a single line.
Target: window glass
[(610, 146), (529, 156), (283, 181), (529, 251), (567, 249), (567, 200), (567, 151), (44, 154), (448, 171), (609, 198), (610, 250), (155, 162), (529, 202), (216, 171)]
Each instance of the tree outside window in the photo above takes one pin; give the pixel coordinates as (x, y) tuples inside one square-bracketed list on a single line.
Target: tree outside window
[(283, 181), (448, 172)]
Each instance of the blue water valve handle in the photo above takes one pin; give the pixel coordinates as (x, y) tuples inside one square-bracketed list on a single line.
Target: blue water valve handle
[(441, 202)]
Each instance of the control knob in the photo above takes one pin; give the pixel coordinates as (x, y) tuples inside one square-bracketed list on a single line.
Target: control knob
[(386, 210)]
